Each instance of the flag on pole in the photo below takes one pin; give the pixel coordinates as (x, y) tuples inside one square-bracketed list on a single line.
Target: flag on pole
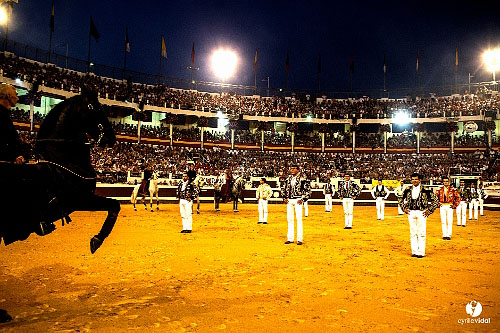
[(93, 30), (418, 59), (192, 55), (319, 64), (127, 41), (287, 63), (52, 19), (385, 64), (456, 56), (163, 48), (255, 60)]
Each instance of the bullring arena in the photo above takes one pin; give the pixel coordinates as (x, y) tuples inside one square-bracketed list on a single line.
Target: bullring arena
[(236, 275), (73, 123)]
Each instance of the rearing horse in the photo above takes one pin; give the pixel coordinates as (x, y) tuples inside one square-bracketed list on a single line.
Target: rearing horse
[(63, 180)]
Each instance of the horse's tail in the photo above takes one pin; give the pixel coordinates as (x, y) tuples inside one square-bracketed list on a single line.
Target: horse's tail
[(135, 193)]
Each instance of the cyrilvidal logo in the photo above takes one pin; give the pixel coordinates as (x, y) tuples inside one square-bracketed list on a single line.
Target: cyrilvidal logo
[(474, 308)]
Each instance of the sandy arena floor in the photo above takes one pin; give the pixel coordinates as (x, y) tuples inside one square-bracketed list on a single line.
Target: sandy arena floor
[(235, 275)]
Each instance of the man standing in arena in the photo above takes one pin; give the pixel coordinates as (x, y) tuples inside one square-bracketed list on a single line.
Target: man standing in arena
[(449, 199), (348, 191), (462, 206), (482, 195), (264, 192), (295, 192), (329, 192), (217, 192), (186, 193), (474, 202), (418, 203), (380, 194)]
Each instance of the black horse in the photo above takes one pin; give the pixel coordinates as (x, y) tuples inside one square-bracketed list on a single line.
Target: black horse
[(62, 180)]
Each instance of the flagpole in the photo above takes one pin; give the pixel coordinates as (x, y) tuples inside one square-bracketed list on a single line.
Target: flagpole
[(385, 74), (125, 54), (50, 45), (124, 64), (88, 56), (456, 70)]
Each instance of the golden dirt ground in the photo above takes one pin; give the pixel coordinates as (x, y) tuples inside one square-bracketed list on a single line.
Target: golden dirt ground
[(232, 274)]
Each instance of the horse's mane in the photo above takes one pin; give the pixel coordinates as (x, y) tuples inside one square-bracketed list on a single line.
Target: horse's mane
[(56, 116)]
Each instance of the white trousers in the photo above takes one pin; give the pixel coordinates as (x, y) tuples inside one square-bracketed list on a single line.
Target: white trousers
[(417, 232), (461, 213), (293, 208), (186, 208), (262, 210), (380, 204), (306, 209), (328, 202), (446, 213), (473, 206), (481, 206), (348, 204)]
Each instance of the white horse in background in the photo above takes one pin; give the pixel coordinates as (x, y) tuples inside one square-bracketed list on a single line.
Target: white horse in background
[(153, 191)]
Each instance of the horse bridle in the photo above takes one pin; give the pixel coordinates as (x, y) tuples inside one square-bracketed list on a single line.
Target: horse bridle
[(99, 126)]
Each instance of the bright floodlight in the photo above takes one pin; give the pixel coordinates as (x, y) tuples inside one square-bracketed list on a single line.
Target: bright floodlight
[(401, 118), (3, 16), (224, 63), (492, 60)]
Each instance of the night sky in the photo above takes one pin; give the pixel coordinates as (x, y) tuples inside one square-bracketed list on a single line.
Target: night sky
[(306, 30)]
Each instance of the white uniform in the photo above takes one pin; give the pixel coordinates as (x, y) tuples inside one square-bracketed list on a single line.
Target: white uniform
[(474, 203), (462, 207), (329, 192), (482, 195), (380, 194), (264, 192)]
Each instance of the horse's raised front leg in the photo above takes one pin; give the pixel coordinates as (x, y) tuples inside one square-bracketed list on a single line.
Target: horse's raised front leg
[(98, 203)]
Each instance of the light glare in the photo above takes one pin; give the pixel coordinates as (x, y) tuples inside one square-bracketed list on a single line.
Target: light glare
[(3, 16), (492, 60), (401, 118), (224, 63)]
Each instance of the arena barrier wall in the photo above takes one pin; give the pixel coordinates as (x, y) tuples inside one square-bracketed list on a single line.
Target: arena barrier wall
[(166, 194)]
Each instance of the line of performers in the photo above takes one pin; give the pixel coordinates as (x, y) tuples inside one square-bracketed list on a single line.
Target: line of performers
[(415, 201)]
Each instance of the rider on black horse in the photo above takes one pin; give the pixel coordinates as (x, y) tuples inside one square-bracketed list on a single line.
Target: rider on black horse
[(11, 149)]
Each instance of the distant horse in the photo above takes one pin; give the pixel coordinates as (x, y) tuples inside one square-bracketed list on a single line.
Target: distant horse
[(236, 190), (152, 190), (63, 180)]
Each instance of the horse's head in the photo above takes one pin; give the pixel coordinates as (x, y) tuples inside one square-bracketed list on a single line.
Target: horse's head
[(97, 125), (79, 119)]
